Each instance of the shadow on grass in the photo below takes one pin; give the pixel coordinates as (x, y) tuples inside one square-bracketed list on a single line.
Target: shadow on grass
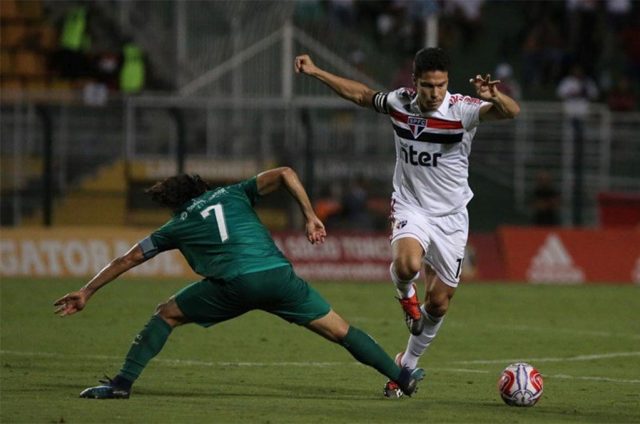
[(542, 412), (273, 391), (285, 392)]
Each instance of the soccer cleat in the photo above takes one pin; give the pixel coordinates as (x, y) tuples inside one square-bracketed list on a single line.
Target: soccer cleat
[(106, 391), (409, 379), (412, 313), (407, 383), (391, 390)]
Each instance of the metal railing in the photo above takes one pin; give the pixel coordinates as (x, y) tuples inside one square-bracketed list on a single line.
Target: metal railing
[(326, 139)]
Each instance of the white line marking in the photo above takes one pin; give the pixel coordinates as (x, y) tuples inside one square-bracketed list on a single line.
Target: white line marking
[(567, 359), (612, 380), (565, 330), (549, 330), (182, 362), (460, 370)]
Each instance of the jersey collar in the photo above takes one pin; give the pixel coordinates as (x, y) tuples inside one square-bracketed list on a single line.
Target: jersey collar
[(442, 109)]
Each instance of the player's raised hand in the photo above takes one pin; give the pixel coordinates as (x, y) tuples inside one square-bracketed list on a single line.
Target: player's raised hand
[(304, 64), (316, 232), (486, 89), (70, 303)]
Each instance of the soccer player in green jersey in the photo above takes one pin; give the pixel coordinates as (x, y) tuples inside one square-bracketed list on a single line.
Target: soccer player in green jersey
[(222, 239)]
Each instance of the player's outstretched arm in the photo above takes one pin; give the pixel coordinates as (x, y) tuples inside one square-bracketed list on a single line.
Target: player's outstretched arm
[(75, 301), (348, 89), (273, 179), (501, 107)]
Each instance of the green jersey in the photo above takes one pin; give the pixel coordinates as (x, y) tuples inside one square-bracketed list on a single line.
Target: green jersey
[(219, 234)]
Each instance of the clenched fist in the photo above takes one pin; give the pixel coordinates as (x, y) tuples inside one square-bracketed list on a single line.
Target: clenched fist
[(304, 65)]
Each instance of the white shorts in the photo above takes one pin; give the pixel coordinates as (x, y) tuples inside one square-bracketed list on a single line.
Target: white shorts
[(443, 238)]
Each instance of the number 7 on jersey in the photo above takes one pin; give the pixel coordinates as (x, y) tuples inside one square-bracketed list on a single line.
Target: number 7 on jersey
[(222, 225)]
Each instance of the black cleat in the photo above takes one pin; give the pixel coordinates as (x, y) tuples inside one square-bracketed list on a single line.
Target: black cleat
[(106, 391), (407, 381)]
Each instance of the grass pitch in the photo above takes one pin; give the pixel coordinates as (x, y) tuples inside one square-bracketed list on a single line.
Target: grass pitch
[(260, 369)]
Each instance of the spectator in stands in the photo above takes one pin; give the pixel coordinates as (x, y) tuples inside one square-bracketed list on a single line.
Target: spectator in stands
[(414, 15), (354, 205), (582, 20), (543, 54), (621, 97), (545, 201), (108, 68), (71, 61), (385, 28), (577, 90), (329, 206), (630, 43), (618, 13), (342, 12), (468, 13), (132, 73)]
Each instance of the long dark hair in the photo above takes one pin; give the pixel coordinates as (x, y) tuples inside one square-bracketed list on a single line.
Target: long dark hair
[(175, 191)]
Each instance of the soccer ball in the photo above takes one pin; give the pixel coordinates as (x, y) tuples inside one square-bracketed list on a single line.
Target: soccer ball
[(520, 385)]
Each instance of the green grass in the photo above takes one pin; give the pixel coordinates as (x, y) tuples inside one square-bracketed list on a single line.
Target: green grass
[(237, 372)]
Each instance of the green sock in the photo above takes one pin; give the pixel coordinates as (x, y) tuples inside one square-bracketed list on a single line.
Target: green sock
[(367, 351), (147, 344)]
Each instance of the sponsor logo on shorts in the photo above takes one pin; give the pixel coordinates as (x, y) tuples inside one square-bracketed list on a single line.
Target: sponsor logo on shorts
[(400, 224)]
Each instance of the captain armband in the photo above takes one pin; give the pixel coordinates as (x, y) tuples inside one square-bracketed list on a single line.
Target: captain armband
[(380, 102), (149, 250)]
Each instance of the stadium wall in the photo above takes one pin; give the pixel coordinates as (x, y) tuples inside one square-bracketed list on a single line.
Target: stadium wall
[(517, 254)]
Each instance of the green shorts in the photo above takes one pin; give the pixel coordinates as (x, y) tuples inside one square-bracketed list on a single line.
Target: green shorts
[(278, 291)]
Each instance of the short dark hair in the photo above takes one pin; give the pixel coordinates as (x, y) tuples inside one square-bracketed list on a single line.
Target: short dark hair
[(175, 191), (430, 59)]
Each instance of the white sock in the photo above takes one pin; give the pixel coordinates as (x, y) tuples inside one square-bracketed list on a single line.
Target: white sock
[(404, 288), (418, 344)]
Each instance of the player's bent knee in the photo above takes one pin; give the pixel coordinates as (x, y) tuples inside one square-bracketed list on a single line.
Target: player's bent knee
[(171, 313), (332, 327), (407, 267), (339, 333)]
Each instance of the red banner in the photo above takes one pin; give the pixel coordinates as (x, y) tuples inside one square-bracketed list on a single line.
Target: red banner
[(367, 256), (340, 257), (571, 256)]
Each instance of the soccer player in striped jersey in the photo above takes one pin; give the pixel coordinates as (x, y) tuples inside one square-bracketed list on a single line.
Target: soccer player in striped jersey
[(433, 131), (222, 239)]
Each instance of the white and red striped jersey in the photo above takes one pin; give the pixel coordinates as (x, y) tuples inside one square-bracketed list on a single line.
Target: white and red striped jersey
[(432, 149)]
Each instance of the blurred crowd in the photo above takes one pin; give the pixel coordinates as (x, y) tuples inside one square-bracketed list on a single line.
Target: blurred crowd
[(350, 205), (594, 43), (600, 37), (543, 43), (91, 66)]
